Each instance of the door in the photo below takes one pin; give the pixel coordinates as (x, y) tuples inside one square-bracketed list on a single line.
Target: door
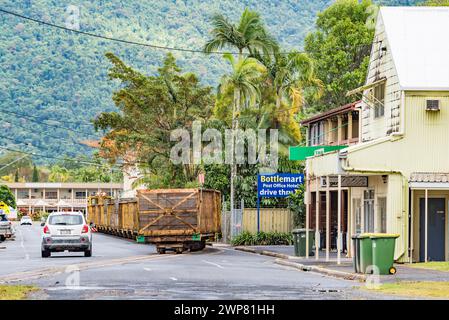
[(436, 229), (368, 206)]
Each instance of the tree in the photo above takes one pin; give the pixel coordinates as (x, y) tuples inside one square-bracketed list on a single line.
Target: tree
[(243, 80), (151, 108), (249, 34), (7, 196), (16, 176), (35, 174), (340, 47), (290, 78), (58, 174)]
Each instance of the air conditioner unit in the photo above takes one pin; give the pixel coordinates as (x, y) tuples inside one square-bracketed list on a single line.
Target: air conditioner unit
[(432, 105)]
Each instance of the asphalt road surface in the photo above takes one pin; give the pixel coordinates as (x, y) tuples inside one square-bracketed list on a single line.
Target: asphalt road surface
[(123, 269)]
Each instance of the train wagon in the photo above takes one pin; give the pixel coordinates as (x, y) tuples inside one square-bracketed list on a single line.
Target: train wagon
[(172, 219)]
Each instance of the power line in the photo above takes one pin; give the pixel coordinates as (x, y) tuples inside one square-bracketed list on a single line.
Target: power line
[(82, 123), (69, 139), (40, 120), (110, 38), (56, 158), (134, 42)]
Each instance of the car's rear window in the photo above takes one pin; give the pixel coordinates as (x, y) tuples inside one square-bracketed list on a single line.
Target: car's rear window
[(3, 217), (65, 220)]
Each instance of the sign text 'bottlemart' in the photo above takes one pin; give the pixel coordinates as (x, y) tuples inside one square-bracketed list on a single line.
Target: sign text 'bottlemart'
[(278, 185)]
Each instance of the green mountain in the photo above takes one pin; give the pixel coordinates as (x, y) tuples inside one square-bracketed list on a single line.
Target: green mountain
[(52, 82)]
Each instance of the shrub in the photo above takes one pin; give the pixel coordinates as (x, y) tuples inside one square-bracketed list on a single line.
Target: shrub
[(262, 238)]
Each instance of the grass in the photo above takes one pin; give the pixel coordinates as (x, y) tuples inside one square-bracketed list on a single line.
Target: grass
[(10, 292), (423, 289), (439, 266)]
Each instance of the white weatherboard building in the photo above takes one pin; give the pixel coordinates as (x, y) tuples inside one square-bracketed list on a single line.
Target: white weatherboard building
[(400, 165), (48, 196)]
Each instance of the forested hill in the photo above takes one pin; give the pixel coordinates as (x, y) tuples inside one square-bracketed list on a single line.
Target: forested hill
[(52, 82)]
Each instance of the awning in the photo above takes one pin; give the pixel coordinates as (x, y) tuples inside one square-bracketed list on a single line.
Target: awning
[(366, 87), (429, 180)]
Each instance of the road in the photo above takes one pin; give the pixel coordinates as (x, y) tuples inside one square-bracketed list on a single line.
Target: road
[(123, 269)]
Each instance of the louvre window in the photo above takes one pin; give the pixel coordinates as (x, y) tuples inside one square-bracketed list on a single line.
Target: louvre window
[(379, 100)]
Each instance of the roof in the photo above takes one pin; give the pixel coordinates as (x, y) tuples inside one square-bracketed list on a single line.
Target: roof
[(65, 185), (429, 177), (330, 113), (417, 37)]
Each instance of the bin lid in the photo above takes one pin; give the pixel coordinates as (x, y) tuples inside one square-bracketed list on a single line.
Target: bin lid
[(379, 235)]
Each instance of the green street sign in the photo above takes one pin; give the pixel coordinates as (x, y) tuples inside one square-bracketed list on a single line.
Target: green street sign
[(301, 153)]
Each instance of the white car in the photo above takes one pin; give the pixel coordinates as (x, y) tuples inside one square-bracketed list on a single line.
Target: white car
[(6, 229), (66, 231), (26, 220)]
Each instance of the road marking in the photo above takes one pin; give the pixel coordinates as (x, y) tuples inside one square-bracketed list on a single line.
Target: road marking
[(22, 245), (214, 264), (173, 278), (35, 274), (147, 269)]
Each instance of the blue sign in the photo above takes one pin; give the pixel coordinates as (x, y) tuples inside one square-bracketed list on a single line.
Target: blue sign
[(278, 185)]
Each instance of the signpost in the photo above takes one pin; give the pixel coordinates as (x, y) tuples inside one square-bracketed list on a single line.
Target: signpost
[(277, 185)]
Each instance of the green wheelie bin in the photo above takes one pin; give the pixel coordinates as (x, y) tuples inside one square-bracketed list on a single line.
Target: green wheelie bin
[(365, 252), (356, 253), (383, 252), (299, 241)]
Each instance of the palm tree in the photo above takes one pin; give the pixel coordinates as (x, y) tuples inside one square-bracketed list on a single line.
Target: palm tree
[(249, 34), (290, 76), (244, 81)]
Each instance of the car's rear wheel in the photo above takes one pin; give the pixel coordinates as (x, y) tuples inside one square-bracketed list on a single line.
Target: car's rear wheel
[(46, 253), (88, 253)]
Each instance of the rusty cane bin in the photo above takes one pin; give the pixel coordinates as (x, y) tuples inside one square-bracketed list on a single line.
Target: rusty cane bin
[(175, 219)]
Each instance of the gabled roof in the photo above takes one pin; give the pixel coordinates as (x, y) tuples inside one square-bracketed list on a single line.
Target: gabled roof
[(418, 40), (330, 113)]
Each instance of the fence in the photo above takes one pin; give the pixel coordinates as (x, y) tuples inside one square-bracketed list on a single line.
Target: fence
[(271, 220), (245, 219)]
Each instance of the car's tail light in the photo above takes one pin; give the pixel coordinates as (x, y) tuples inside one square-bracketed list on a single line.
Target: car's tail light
[(85, 229), (46, 229)]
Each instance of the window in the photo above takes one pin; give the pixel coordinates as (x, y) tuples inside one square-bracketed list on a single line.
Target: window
[(379, 100), (80, 195), (66, 220), (368, 204), (317, 134), (23, 194), (382, 206), (51, 195), (356, 204)]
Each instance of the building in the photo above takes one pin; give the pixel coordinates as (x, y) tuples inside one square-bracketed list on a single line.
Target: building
[(336, 127), (48, 196), (396, 178), (339, 126)]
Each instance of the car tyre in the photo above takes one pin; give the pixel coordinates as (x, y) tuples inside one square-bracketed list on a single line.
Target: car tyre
[(88, 253), (46, 253)]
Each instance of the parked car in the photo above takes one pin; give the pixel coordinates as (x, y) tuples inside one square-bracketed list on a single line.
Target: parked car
[(6, 229), (26, 220), (66, 231)]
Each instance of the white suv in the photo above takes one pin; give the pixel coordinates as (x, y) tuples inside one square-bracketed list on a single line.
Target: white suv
[(66, 231)]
